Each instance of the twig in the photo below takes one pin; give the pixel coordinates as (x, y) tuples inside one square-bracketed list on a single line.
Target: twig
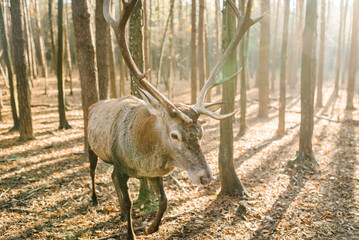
[(4, 192), (178, 183)]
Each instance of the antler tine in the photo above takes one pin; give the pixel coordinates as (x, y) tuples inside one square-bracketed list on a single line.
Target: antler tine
[(244, 23), (119, 28)]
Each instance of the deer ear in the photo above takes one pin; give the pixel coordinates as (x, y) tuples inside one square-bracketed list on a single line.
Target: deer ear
[(213, 106), (150, 101)]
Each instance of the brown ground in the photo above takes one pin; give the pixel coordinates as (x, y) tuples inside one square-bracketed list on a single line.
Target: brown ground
[(45, 183)]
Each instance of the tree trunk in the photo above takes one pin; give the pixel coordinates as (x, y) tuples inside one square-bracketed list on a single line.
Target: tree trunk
[(60, 82), (274, 54), (353, 57), (216, 22), (68, 71), (112, 72), (305, 154), (136, 43), (321, 57), (200, 49), (230, 183), (28, 43), (339, 49), (10, 74), (243, 54), (193, 54), (53, 51), (146, 31), (40, 45), (293, 74), (344, 44), (20, 64), (263, 68), (283, 72), (208, 65), (102, 30), (85, 53)]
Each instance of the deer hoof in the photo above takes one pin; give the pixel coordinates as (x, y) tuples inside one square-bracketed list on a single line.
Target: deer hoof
[(151, 229)]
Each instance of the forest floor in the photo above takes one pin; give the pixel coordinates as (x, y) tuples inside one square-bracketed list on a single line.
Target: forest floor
[(45, 183)]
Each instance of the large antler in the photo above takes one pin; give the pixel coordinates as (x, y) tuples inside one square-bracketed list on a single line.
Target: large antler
[(119, 29), (244, 23)]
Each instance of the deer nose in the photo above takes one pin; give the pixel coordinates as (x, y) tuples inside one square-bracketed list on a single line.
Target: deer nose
[(205, 180)]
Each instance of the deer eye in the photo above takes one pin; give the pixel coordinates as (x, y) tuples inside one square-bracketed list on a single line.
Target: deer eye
[(174, 136)]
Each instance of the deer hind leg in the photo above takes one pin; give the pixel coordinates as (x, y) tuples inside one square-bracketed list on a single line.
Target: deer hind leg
[(93, 164), (120, 182), (157, 184), (119, 196)]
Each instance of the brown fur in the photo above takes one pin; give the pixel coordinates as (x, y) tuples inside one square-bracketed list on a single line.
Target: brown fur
[(145, 132)]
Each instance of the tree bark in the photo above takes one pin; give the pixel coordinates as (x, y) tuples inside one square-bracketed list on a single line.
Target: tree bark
[(102, 32), (60, 82), (321, 57), (193, 55), (283, 72), (230, 183), (305, 154), (20, 64), (353, 57), (85, 54), (263, 68), (10, 74)]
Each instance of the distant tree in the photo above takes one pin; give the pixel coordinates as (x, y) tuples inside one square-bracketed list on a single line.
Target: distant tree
[(193, 54), (353, 57), (263, 65), (52, 38), (274, 53), (243, 55), (68, 62), (339, 49), (283, 71), (305, 154), (321, 57), (112, 72), (10, 74), (85, 54), (22, 78), (60, 57), (200, 44), (216, 22), (102, 34), (40, 45)]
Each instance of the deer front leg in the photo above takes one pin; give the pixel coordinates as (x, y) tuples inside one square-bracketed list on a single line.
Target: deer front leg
[(157, 184), (120, 182)]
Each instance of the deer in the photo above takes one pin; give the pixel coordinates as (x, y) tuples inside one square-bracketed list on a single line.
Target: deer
[(149, 137)]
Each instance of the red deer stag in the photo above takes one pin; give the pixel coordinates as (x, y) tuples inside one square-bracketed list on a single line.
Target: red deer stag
[(148, 138)]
